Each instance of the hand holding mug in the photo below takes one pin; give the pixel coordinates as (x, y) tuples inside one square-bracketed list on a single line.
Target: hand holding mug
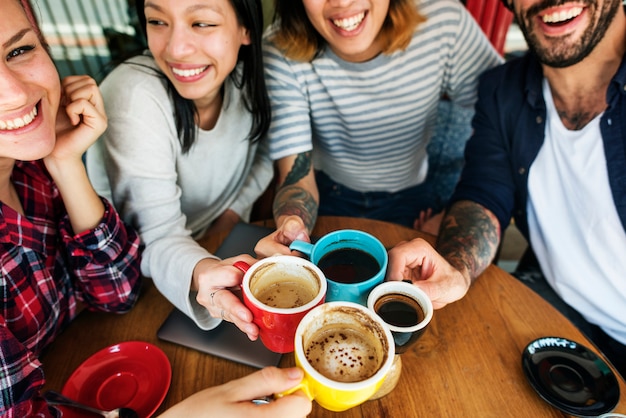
[(218, 287), (292, 228)]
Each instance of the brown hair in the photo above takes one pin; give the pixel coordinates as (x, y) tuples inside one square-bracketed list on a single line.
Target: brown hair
[(298, 39)]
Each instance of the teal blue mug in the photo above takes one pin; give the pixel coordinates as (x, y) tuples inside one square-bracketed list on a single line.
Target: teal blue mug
[(354, 262)]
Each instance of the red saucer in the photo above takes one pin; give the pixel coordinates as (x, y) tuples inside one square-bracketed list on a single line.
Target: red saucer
[(131, 374)]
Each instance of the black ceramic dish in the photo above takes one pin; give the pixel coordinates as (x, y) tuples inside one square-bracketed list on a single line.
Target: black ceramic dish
[(570, 377)]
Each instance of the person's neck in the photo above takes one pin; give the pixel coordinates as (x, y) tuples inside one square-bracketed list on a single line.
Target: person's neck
[(8, 194), (579, 91), (209, 110)]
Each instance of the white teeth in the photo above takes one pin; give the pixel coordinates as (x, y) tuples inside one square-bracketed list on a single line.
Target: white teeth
[(562, 16), (7, 125), (188, 73), (350, 23)]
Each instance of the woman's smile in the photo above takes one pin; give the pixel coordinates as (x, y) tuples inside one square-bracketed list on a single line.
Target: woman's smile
[(184, 73), (350, 23), (19, 122)]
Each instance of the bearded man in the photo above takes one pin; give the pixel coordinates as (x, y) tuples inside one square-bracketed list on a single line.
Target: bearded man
[(549, 150)]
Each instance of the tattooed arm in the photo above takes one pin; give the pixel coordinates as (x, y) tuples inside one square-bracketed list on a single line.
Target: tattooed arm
[(297, 192), (466, 244), (469, 238), (295, 205)]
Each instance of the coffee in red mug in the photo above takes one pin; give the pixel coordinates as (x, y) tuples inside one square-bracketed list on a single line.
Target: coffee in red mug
[(279, 291)]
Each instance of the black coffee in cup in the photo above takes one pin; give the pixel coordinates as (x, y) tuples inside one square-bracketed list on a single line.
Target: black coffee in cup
[(348, 265), (405, 308), (399, 310)]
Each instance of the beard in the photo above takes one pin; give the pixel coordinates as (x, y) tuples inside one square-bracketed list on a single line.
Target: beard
[(565, 51)]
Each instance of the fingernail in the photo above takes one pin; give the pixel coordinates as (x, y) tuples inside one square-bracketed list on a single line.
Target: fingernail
[(294, 373)]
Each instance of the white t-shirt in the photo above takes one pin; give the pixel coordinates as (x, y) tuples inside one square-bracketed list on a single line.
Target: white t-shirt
[(574, 226)]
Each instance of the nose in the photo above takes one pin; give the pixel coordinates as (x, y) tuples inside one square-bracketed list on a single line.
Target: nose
[(180, 42)]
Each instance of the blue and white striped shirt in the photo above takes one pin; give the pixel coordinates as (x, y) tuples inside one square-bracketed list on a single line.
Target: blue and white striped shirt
[(369, 123)]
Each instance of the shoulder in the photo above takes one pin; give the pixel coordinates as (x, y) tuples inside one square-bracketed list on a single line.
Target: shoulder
[(449, 14), (437, 8), (517, 74), (512, 94), (448, 23), (135, 82), (139, 72), (271, 53)]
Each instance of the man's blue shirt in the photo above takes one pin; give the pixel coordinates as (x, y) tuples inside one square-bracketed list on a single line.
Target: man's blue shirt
[(509, 129)]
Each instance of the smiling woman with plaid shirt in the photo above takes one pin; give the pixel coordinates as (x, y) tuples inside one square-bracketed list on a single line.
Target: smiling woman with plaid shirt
[(60, 243)]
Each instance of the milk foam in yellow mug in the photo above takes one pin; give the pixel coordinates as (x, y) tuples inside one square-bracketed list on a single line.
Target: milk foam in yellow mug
[(346, 351)]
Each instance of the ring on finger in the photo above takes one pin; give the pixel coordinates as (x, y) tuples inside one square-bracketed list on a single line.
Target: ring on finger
[(213, 294)]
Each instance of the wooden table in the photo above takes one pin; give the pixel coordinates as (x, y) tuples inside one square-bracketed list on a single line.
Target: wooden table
[(467, 364)]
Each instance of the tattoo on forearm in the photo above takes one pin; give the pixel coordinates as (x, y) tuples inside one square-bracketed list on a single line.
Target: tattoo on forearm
[(469, 237), (293, 200), (301, 167)]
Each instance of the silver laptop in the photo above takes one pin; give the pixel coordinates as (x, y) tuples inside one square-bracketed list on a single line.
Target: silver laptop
[(225, 341)]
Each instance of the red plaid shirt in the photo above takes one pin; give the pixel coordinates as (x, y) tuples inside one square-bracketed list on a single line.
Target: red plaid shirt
[(45, 270)]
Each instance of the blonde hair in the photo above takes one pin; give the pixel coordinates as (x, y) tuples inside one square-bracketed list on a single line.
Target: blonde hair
[(296, 37)]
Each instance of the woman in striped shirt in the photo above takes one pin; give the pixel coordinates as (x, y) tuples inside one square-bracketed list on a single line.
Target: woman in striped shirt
[(354, 89)]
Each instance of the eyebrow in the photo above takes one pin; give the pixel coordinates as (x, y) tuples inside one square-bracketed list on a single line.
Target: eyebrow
[(15, 38), (150, 4)]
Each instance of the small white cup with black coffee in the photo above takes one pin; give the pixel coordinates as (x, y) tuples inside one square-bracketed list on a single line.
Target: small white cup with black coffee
[(405, 308)]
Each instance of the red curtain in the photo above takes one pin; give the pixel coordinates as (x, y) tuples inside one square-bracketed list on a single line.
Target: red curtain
[(494, 19)]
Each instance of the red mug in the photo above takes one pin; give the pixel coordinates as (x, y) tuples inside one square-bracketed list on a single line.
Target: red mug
[(279, 291)]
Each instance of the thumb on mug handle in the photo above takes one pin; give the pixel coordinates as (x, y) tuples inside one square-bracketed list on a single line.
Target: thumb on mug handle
[(303, 386)]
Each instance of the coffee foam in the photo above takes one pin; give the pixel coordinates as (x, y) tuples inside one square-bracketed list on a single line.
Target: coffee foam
[(284, 285), (345, 347), (343, 355), (286, 294)]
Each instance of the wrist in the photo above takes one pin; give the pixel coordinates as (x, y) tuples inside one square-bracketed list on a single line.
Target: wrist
[(201, 267), (62, 169)]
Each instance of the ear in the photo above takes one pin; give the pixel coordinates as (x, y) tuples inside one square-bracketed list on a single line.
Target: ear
[(245, 36)]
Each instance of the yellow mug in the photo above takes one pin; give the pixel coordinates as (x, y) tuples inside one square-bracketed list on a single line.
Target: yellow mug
[(346, 351)]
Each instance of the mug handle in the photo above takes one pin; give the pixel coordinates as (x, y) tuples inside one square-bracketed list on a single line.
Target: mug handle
[(303, 386), (302, 246), (241, 265)]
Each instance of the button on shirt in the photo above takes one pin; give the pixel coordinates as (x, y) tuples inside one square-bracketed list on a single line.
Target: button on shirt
[(46, 269)]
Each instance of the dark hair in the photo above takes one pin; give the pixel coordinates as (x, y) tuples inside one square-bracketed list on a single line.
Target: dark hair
[(296, 37), (250, 80)]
